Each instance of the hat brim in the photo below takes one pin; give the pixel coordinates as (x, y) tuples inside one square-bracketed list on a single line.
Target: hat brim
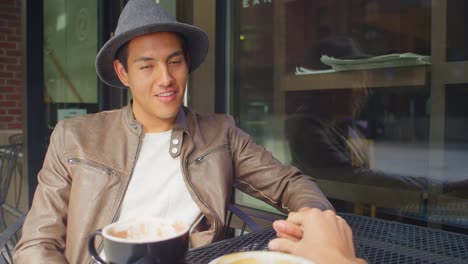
[(196, 39)]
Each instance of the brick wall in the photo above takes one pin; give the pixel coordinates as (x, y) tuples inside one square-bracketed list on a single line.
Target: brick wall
[(11, 71)]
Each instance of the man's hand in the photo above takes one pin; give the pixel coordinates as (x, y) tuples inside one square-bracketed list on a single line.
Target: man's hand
[(320, 236), (290, 228)]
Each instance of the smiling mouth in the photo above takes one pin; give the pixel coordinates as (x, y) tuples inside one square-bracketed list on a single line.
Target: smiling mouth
[(165, 94)]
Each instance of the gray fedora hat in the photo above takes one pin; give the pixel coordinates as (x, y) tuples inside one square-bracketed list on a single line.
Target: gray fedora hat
[(140, 17)]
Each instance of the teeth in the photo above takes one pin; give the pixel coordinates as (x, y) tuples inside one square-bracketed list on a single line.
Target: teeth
[(166, 94)]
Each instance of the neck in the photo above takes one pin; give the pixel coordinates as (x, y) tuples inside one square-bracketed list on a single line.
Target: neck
[(152, 123), (155, 125), (156, 128)]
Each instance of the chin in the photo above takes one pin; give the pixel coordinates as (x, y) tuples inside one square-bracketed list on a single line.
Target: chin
[(167, 115), (166, 112)]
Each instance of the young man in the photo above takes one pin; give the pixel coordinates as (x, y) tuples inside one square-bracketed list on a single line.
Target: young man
[(153, 157)]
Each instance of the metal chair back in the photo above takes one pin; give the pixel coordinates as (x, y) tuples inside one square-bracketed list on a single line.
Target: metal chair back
[(251, 219), (8, 162), (8, 240)]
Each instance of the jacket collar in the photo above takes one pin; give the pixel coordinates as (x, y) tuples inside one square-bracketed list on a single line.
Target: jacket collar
[(134, 126), (178, 129), (180, 126)]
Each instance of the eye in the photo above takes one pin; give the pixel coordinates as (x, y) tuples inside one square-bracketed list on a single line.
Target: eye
[(175, 62), (145, 67)]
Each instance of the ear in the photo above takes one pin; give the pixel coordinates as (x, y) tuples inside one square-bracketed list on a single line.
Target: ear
[(121, 72)]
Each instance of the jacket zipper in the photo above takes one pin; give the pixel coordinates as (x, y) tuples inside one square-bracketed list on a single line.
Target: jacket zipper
[(99, 248), (129, 179), (92, 164), (185, 170), (96, 166), (202, 157)]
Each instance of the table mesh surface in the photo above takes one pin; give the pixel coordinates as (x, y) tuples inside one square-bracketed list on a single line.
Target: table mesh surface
[(249, 242), (377, 241), (381, 241)]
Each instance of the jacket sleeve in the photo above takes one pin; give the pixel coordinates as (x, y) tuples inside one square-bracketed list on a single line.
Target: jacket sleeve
[(44, 231), (259, 174)]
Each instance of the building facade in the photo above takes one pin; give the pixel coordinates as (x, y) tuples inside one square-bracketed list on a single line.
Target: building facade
[(11, 66)]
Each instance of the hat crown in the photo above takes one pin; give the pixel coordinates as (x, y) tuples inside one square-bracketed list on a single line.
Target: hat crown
[(140, 13)]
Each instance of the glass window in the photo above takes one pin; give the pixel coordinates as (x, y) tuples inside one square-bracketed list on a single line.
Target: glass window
[(70, 47), (367, 96)]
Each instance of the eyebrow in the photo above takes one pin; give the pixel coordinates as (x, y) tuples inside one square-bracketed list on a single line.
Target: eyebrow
[(144, 59)]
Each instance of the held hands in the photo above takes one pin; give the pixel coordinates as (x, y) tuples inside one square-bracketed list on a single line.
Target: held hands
[(291, 228), (320, 236)]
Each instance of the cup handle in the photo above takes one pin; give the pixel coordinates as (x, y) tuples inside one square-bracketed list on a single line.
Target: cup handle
[(92, 249)]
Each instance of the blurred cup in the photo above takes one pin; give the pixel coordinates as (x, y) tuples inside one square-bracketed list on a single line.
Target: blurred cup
[(259, 257), (145, 240)]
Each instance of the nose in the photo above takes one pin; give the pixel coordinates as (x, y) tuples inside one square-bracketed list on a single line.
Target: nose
[(165, 78)]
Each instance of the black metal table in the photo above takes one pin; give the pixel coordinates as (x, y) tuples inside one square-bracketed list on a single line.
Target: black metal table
[(376, 240)]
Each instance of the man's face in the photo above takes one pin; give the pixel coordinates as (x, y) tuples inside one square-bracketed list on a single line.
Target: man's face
[(156, 75)]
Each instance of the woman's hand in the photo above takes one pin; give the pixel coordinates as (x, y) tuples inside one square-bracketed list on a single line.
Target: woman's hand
[(320, 236)]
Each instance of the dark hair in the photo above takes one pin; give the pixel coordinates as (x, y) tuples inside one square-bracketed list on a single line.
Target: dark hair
[(122, 55), (122, 52)]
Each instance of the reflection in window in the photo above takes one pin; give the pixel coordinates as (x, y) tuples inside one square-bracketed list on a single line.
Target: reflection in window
[(349, 92)]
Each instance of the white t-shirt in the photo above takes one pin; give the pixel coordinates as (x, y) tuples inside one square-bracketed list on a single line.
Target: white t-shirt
[(157, 187)]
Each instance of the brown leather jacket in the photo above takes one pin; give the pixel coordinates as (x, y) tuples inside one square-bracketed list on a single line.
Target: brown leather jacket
[(90, 161)]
